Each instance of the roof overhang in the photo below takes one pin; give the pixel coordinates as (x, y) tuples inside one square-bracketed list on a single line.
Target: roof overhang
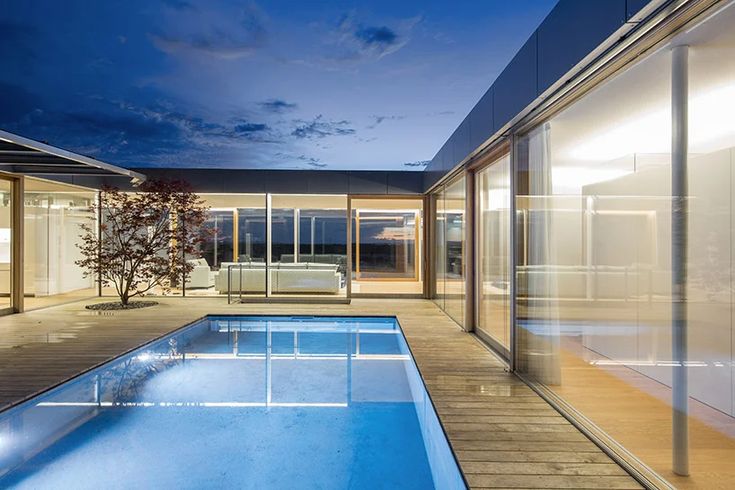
[(28, 157)]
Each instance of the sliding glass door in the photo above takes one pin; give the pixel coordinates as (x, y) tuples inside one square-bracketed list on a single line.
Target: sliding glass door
[(273, 245), (449, 239), (492, 218), (308, 246), (6, 245), (218, 246)]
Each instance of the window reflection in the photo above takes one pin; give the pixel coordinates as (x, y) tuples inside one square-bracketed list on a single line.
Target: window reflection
[(594, 275), (449, 241), (387, 237), (493, 254)]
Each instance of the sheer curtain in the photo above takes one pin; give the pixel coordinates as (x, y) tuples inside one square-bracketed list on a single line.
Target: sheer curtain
[(543, 329)]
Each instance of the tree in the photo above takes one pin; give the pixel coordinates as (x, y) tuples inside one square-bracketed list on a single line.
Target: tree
[(144, 238)]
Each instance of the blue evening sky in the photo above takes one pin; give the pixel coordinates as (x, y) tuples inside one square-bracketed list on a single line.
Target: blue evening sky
[(245, 84)]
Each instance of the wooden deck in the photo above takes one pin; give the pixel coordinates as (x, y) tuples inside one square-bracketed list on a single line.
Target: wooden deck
[(503, 434)]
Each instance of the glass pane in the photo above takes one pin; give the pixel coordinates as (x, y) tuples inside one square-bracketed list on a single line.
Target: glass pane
[(53, 214), (595, 277), (251, 235), (387, 247), (218, 246), (5, 243), (233, 255), (308, 245), (493, 253), (454, 273), (282, 235)]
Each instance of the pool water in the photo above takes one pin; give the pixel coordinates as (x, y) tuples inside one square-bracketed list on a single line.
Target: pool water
[(238, 402)]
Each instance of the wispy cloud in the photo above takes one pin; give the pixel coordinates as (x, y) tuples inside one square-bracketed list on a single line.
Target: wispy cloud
[(311, 162), (277, 106), (355, 41), (321, 128), (214, 33), (378, 120), (299, 161), (417, 164)]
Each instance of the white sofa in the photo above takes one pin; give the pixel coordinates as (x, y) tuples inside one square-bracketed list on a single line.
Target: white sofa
[(284, 277), (201, 276)]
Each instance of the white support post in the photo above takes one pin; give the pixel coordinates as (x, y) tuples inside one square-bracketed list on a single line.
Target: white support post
[(679, 246), (296, 234)]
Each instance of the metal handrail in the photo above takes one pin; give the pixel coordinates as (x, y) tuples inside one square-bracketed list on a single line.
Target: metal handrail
[(229, 283)]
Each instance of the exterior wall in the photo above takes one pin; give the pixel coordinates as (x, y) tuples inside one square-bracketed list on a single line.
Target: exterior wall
[(572, 30), (289, 181), (591, 282)]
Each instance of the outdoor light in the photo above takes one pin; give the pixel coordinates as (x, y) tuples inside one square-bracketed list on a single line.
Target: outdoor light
[(144, 357)]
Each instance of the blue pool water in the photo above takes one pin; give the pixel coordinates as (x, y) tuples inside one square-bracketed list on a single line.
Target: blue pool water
[(238, 402)]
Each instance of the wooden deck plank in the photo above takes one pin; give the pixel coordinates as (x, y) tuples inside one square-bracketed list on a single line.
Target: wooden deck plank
[(503, 433)]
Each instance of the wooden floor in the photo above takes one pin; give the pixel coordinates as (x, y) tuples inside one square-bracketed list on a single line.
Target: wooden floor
[(503, 434)]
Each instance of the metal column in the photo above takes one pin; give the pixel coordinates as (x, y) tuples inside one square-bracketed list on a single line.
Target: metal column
[(679, 225), (268, 245), (513, 340), (469, 253)]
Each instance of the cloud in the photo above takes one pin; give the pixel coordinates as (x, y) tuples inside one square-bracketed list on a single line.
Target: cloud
[(417, 163), (356, 42), (289, 160), (377, 120), (321, 128), (383, 37), (248, 128), (278, 106), (214, 33), (138, 134), (311, 161)]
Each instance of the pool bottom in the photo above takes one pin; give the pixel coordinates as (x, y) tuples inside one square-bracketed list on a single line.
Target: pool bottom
[(153, 447)]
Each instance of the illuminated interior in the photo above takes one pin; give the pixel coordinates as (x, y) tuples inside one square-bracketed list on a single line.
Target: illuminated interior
[(387, 246), (594, 274)]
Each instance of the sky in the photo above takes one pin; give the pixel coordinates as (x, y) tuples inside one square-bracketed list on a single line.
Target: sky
[(278, 84)]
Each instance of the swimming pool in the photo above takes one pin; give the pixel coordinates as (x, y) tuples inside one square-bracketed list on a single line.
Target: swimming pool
[(244, 402)]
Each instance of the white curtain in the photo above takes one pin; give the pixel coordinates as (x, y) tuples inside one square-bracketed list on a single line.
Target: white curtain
[(543, 336)]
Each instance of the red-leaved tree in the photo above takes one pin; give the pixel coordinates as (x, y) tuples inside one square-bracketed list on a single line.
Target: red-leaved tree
[(144, 238)]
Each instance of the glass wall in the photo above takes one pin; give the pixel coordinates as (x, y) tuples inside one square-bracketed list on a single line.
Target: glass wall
[(251, 239), (595, 278), (53, 214), (6, 244), (450, 248), (440, 250), (219, 246), (493, 196), (234, 235), (309, 245), (386, 250)]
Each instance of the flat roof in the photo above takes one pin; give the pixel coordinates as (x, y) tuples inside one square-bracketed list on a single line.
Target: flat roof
[(28, 157)]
